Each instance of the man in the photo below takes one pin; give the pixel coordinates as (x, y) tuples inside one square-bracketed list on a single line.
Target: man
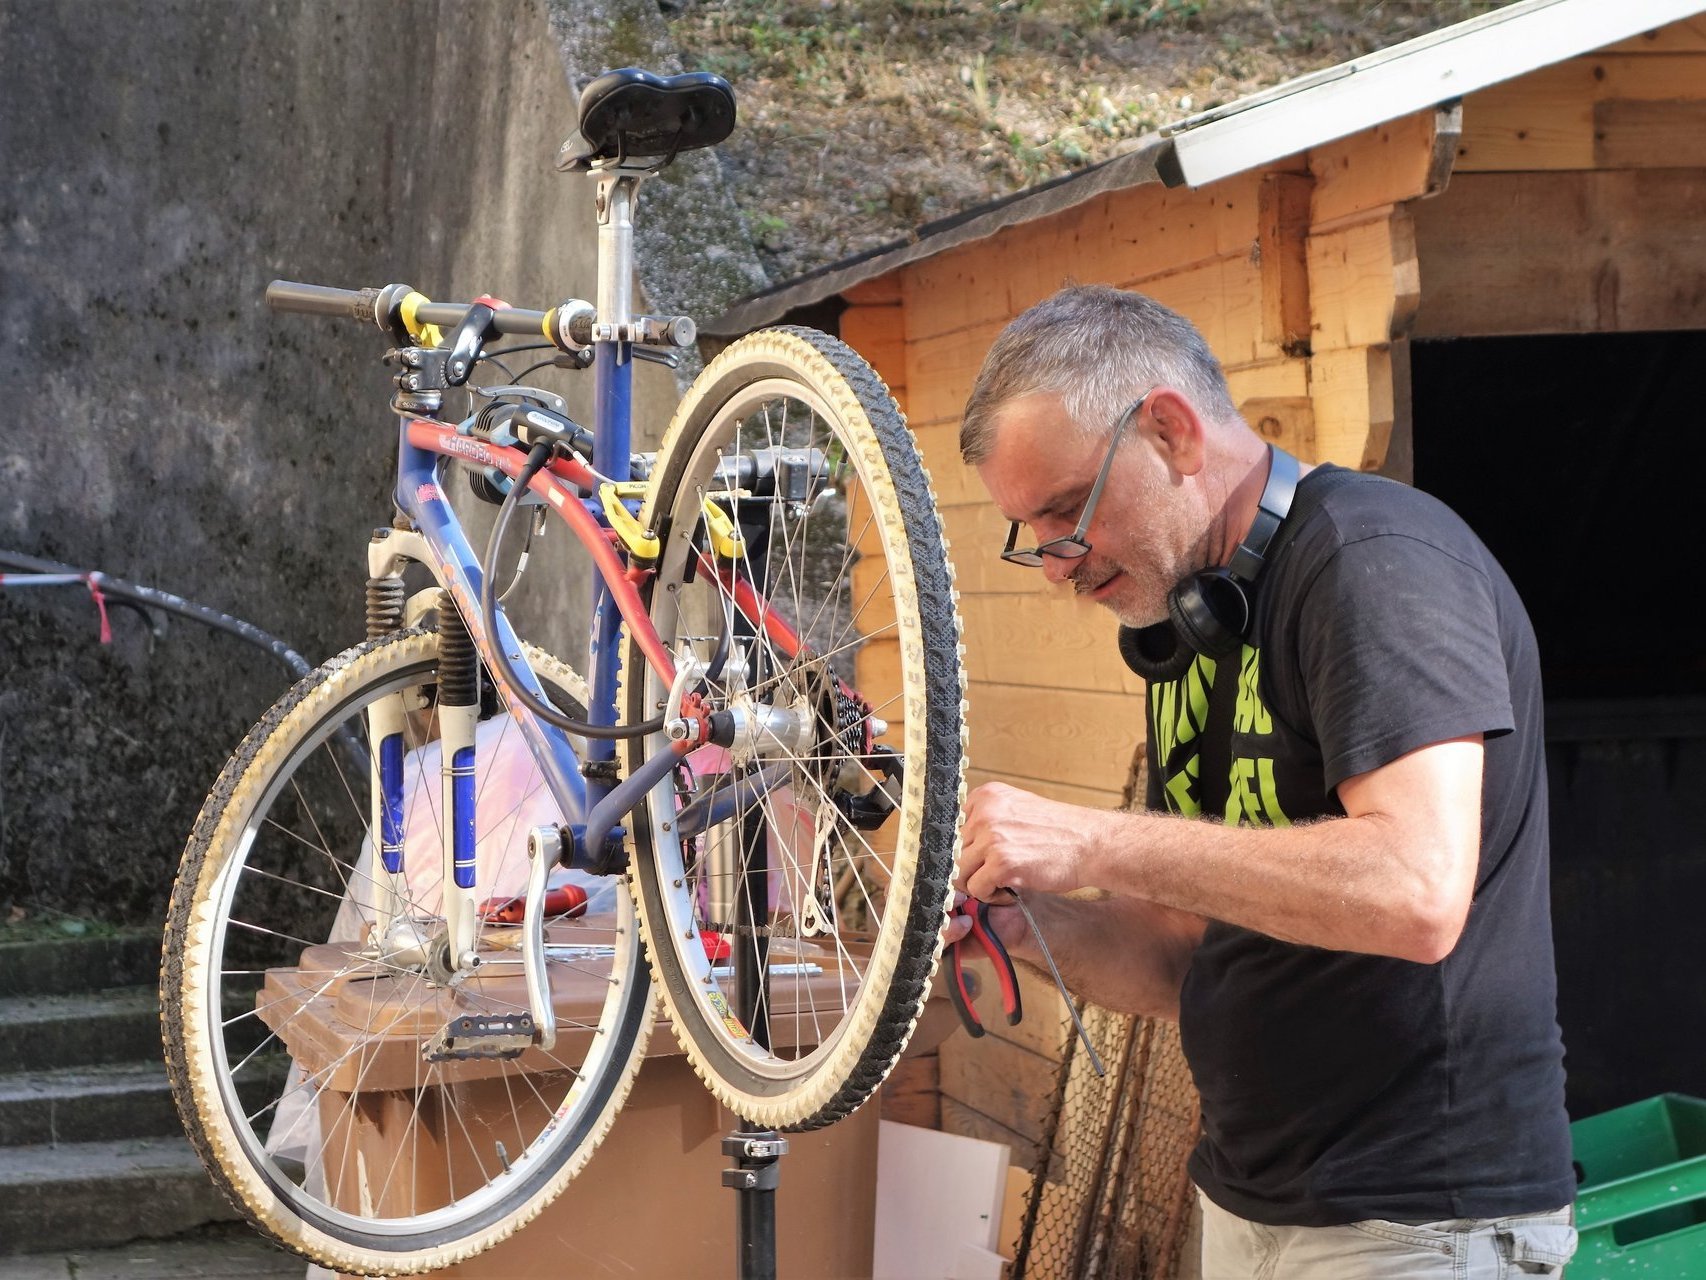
[(1341, 888)]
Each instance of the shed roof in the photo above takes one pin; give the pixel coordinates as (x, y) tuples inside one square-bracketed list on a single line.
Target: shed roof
[(1291, 117)]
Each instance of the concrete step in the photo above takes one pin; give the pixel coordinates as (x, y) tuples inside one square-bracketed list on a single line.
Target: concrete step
[(87, 1104), (60, 1032), (121, 1100), (103, 1193), (41, 1033), (223, 1251), (65, 966)]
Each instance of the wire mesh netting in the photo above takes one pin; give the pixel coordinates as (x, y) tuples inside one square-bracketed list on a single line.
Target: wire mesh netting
[(1109, 1197)]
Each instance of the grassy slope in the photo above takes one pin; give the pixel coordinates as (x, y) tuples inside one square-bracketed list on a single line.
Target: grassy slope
[(861, 119)]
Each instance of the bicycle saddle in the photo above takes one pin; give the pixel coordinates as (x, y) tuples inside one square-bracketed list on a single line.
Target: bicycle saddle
[(633, 113)]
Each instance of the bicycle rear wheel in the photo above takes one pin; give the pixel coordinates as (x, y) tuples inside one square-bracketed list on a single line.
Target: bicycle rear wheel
[(793, 887), (296, 1041)]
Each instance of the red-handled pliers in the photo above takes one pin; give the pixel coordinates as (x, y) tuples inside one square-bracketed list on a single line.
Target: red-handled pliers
[(958, 988), (564, 900)]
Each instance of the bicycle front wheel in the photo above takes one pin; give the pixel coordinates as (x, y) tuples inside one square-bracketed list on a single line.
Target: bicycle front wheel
[(301, 989), (793, 885)]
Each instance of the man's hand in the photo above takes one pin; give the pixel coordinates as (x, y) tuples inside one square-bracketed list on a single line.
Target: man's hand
[(1015, 840), (1008, 923)]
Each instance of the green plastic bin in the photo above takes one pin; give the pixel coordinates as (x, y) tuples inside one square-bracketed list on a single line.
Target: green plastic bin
[(1641, 1205)]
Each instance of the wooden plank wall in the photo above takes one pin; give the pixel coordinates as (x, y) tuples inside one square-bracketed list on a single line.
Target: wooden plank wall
[(1576, 202), (1308, 281)]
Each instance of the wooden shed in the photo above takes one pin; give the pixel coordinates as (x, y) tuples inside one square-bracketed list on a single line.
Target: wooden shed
[(1477, 262)]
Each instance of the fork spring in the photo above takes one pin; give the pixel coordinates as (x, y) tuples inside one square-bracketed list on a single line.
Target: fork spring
[(458, 664), (384, 606)]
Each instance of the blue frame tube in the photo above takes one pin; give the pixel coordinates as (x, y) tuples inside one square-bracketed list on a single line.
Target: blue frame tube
[(420, 496), (612, 447)]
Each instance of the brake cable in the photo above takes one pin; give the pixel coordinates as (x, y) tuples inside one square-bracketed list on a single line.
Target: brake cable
[(536, 461)]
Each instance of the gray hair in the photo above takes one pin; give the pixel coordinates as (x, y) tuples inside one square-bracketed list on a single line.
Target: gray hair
[(1097, 348)]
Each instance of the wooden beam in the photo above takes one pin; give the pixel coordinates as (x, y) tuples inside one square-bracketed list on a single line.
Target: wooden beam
[(1685, 36), (1070, 735), (1448, 133), (1282, 233), (1288, 422), (1146, 232), (1650, 135), (962, 287), (1543, 120), (1363, 282), (1400, 460), (1671, 77), (1005, 1081), (1563, 253), (1353, 398), (1385, 165), (1267, 378), (1550, 118), (1224, 300), (1051, 640)]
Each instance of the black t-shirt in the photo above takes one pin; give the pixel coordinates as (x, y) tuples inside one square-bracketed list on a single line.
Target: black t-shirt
[(1339, 1086)]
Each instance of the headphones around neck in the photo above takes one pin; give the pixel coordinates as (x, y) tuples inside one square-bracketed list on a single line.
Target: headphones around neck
[(1210, 612)]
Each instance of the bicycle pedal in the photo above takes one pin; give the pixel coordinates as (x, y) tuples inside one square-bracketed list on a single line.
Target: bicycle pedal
[(481, 1036)]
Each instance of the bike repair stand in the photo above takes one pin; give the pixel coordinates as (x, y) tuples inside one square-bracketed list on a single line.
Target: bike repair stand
[(756, 1153), (755, 1150)]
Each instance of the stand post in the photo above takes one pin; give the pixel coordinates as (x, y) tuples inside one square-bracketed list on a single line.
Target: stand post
[(754, 1178)]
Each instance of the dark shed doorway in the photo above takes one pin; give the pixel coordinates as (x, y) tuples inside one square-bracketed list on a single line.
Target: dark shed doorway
[(1581, 460)]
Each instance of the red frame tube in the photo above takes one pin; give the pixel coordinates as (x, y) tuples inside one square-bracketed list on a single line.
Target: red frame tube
[(553, 485), (556, 484)]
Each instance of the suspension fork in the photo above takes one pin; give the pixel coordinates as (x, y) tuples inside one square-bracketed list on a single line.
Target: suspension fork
[(387, 719)]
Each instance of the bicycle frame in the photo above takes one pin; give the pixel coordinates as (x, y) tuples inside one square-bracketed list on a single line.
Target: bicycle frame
[(436, 539)]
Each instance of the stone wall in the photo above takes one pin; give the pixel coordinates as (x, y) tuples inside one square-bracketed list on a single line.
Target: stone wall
[(162, 162)]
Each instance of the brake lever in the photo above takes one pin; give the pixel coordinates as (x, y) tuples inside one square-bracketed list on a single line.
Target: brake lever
[(667, 358)]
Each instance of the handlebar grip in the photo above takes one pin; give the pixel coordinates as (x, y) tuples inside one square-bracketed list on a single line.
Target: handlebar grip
[(321, 300)]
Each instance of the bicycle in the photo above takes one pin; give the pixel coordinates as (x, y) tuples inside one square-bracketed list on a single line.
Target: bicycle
[(380, 937)]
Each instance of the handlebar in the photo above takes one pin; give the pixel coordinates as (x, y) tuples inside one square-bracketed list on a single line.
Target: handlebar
[(380, 306), (321, 300)]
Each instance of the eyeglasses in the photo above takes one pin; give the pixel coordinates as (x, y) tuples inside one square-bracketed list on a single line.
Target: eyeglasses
[(1073, 546)]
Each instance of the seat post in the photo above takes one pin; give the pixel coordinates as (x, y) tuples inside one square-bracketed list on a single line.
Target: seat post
[(613, 364), (616, 192), (612, 436)]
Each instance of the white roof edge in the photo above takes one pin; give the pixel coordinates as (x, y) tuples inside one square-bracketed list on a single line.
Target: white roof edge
[(1419, 73)]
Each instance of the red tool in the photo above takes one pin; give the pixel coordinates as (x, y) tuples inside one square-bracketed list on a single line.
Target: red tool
[(958, 986), (564, 900)]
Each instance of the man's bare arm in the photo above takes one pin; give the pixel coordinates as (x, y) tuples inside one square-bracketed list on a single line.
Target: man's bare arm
[(1394, 877), (1122, 953)]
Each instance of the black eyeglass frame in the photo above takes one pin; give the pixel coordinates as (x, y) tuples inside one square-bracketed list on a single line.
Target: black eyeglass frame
[(1074, 546)]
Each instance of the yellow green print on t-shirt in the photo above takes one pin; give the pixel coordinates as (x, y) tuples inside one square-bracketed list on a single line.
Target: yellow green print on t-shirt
[(1178, 712), (1252, 800)]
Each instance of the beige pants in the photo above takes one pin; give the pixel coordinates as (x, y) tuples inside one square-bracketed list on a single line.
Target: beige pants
[(1459, 1249)]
